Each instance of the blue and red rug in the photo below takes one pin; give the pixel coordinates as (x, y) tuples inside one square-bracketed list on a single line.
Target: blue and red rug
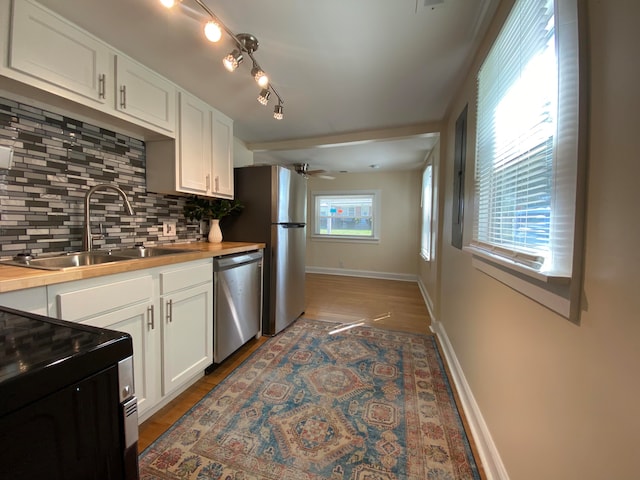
[(365, 404)]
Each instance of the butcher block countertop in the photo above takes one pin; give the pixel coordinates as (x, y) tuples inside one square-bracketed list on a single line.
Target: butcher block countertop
[(18, 278)]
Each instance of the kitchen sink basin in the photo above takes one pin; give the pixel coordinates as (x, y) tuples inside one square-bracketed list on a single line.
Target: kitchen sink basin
[(94, 257), (144, 252), (66, 260)]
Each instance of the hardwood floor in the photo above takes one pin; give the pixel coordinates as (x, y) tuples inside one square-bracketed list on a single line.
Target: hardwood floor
[(328, 297)]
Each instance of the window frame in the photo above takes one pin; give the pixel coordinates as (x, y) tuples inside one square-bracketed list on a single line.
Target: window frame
[(426, 207), (560, 292), (375, 215)]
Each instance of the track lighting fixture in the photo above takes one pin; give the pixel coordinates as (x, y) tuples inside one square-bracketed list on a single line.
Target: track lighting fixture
[(263, 98), (245, 43)]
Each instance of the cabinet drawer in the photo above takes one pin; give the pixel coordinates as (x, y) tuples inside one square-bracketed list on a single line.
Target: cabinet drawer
[(89, 302), (178, 279)]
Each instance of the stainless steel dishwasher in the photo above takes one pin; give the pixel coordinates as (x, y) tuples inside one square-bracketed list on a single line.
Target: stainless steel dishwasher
[(237, 298)]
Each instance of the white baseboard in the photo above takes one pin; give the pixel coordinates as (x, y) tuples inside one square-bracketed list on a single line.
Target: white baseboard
[(426, 297), (404, 277), (489, 455)]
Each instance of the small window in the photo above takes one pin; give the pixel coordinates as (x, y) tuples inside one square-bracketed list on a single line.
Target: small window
[(349, 215), (427, 199)]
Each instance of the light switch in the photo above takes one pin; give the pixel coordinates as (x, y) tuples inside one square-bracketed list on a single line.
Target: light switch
[(6, 157)]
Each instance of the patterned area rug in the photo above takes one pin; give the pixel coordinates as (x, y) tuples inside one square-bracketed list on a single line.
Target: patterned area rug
[(365, 404)]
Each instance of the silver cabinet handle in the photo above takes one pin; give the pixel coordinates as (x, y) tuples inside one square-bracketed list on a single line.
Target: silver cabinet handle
[(208, 180), (150, 317), (217, 183), (169, 311), (101, 85), (123, 96)]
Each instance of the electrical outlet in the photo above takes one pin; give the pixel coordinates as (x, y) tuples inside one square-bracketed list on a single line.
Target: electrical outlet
[(6, 157), (168, 228)]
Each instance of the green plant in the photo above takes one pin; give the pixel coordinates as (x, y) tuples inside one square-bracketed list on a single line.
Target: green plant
[(198, 208)]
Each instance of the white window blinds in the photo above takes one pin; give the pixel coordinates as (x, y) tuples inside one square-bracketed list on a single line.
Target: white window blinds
[(519, 214)]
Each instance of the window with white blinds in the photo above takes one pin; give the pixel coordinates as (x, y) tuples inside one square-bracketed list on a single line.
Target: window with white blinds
[(427, 207), (526, 146)]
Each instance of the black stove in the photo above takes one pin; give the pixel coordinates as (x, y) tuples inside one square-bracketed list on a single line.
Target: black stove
[(62, 400)]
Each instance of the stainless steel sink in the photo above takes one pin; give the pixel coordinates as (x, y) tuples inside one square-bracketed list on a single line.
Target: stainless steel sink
[(95, 257), (144, 252), (66, 260)]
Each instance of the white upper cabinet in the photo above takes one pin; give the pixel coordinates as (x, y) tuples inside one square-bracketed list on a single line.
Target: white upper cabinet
[(200, 161), (194, 146), (55, 52), (145, 95), (222, 161), (44, 50)]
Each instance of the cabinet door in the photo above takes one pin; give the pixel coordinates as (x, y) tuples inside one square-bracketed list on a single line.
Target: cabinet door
[(33, 300), (139, 322), (145, 95), (187, 338), (222, 157), (58, 53), (194, 146)]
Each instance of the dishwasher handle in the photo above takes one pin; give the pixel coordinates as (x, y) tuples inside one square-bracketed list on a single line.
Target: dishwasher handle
[(232, 261)]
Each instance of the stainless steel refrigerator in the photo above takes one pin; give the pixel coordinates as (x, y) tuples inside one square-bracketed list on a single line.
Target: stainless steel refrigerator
[(275, 213)]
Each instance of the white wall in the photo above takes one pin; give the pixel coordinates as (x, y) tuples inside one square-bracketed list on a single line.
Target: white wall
[(395, 255), (241, 155), (560, 399)]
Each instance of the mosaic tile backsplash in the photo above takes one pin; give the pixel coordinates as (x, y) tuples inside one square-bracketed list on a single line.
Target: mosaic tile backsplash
[(56, 160)]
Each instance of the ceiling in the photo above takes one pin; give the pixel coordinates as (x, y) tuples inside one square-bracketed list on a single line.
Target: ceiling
[(364, 82)]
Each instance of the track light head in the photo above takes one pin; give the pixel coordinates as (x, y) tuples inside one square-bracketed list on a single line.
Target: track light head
[(233, 60), (170, 3), (259, 76), (277, 112), (212, 31), (263, 98)]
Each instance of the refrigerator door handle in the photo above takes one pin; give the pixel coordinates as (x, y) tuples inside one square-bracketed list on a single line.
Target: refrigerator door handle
[(292, 225)]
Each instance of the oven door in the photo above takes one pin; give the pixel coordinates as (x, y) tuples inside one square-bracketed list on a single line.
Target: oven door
[(73, 433)]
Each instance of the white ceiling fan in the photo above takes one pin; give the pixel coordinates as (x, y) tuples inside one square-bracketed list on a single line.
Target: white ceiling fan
[(303, 169)]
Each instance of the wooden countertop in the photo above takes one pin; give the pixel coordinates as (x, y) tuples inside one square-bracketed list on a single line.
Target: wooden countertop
[(18, 278)]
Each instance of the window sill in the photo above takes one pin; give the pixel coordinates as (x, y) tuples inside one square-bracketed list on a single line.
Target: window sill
[(552, 291), (345, 239), (517, 267)]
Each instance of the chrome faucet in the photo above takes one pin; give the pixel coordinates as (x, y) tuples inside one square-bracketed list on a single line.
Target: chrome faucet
[(87, 238)]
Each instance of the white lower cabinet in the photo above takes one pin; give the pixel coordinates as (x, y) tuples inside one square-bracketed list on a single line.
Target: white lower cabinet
[(137, 321), (125, 303), (187, 316), (32, 300), (168, 311)]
